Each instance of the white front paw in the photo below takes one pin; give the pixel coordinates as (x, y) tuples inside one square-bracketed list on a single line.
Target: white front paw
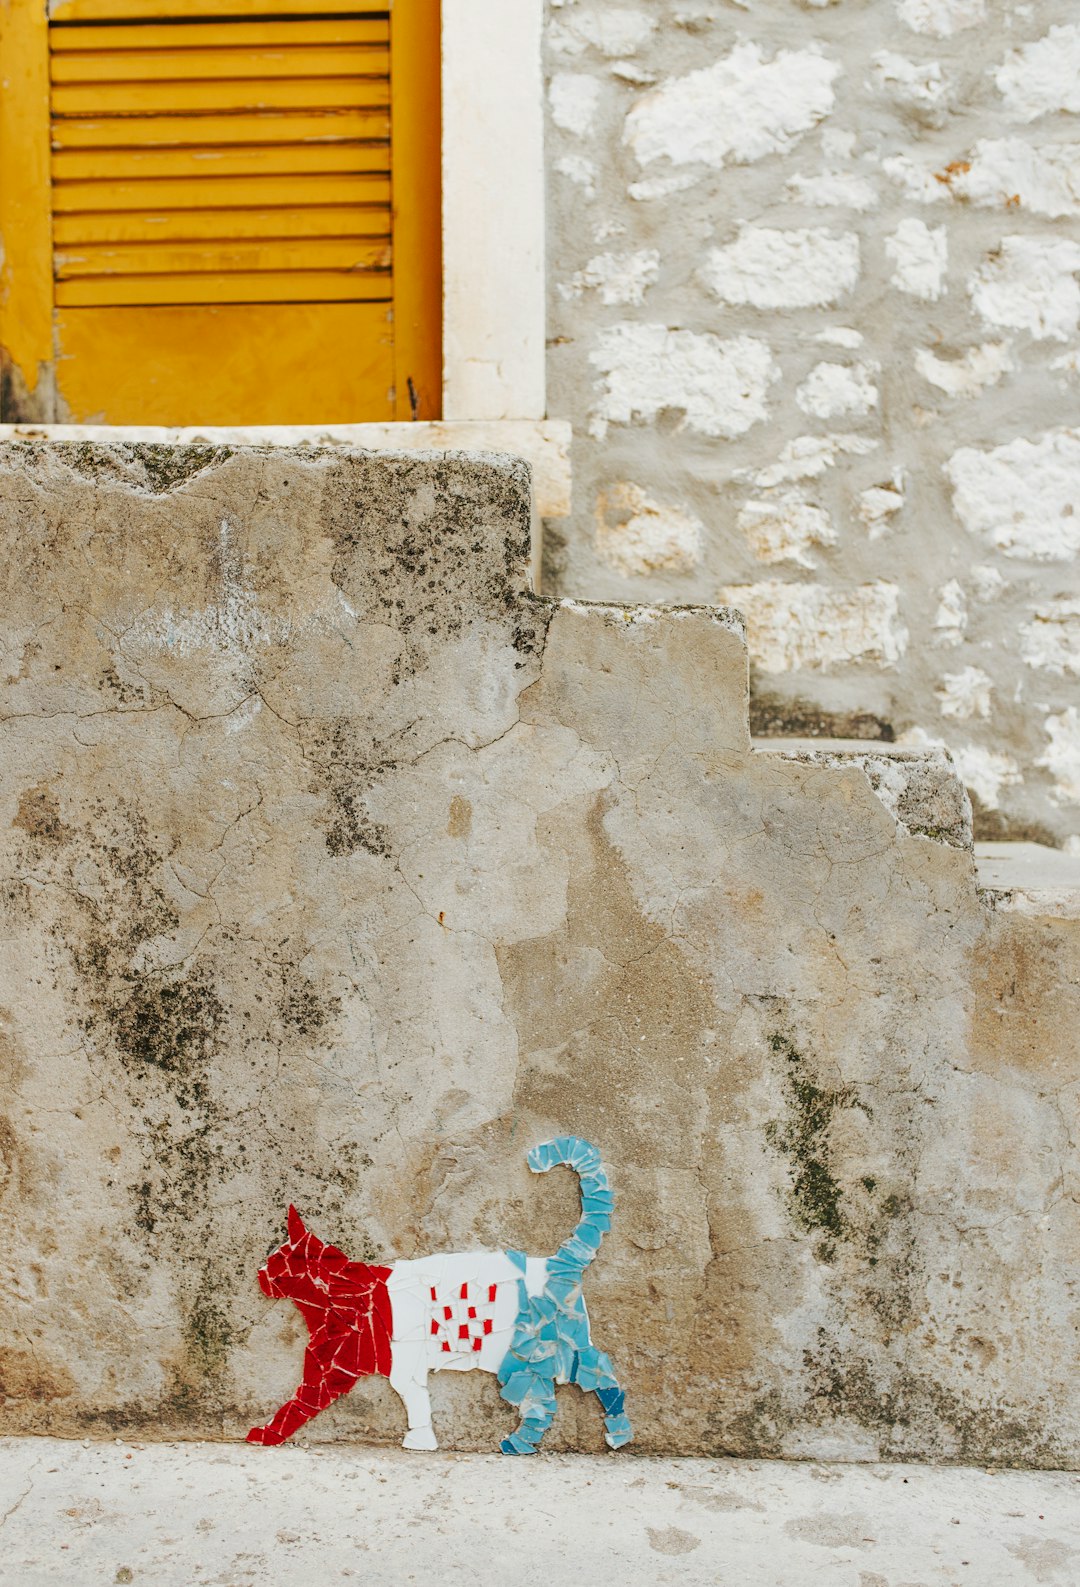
[(420, 1438)]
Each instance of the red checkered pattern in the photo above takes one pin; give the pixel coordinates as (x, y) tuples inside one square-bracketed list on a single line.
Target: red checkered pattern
[(461, 1319)]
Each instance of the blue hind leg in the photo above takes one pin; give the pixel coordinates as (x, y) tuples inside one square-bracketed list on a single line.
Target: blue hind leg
[(595, 1372), (535, 1397)]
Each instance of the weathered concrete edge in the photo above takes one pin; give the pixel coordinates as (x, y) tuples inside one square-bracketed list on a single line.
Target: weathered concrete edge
[(728, 617), (543, 443), (920, 788), (1029, 879)]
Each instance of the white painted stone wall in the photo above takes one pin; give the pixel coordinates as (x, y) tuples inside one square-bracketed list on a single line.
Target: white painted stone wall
[(814, 313)]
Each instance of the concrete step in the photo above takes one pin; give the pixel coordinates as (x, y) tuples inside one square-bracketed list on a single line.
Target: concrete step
[(1030, 877), (176, 1515), (921, 789), (919, 786)]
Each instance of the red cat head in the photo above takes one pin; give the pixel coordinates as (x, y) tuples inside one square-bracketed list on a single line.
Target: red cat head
[(288, 1265), (307, 1270)]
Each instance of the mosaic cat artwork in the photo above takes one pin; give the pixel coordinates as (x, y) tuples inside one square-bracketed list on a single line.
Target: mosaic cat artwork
[(521, 1317)]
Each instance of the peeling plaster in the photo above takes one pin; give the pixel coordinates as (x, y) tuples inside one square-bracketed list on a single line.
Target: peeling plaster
[(1043, 179), (1043, 76), (1062, 757), (979, 368), (942, 18), (923, 85), (574, 100), (740, 109), (951, 617), (784, 527), (637, 535), (1050, 642), (1030, 284), (965, 694), (1021, 498), (616, 278), (833, 190), (810, 455), (879, 505), (986, 771), (920, 256), (834, 391), (614, 31), (718, 386), (770, 269)]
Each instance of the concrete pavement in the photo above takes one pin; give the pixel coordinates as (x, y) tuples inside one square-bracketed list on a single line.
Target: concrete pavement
[(218, 1515)]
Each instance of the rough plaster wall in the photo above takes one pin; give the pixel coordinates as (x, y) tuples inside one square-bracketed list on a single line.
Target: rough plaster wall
[(815, 316), (339, 870)]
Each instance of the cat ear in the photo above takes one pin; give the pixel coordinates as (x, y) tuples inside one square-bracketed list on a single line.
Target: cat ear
[(296, 1225)]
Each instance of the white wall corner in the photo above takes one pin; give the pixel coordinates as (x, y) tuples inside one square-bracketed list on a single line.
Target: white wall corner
[(493, 210)]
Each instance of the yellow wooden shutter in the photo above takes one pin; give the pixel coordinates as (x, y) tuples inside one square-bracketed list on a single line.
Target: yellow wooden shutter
[(231, 206)]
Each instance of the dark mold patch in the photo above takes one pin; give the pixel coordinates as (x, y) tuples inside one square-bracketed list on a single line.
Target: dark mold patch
[(912, 1414), (892, 1285), (529, 633), (167, 1024), (153, 1034), (555, 557), (304, 1009), (347, 768), (208, 1332), (20, 405), (423, 541), (164, 468), (995, 826), (149, 467), (39, 814), (127, 693), (353, 829), (774, 716), (817, 1198)]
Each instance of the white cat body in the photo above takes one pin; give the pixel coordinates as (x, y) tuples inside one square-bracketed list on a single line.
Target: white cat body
[(452, 1313)]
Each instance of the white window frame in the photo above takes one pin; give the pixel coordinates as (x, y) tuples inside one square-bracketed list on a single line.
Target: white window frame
[(493, 209)]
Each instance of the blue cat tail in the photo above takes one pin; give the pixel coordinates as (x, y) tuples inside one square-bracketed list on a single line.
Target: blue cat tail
[(575, 1254)]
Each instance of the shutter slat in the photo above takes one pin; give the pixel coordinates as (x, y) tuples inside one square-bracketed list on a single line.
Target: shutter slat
[(222, 192), (212, 257), (273, 159), (197, 225), (197, 65), (119, 132), (163, 98), (65, 11), (295, 286), (196, 35)]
